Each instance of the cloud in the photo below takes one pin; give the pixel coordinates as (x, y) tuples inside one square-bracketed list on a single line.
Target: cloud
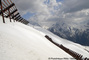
[(32, 6), (53, 11), (74, 5)]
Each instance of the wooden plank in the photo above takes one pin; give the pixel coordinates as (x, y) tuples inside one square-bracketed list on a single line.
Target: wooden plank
[(9, 14), (2, 12), (8, 1), (15, 15), (7, 8), (19, 18), (12, 13), (5, 2)]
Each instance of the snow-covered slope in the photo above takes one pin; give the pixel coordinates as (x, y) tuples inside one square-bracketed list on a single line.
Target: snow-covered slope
[(21, 42), (73, 46)]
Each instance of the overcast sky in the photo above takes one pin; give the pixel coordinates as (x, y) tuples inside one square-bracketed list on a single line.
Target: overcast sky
[(54, 10)]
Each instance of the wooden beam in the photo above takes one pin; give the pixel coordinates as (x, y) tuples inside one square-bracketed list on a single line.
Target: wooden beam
[(9, 14), (2, 12), (7, 8), (15, 15), (5, 2), (6, 5), (18, 18), (8, 1), (12, 13)]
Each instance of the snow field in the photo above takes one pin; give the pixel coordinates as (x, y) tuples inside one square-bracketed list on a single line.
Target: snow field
[(21, 42)]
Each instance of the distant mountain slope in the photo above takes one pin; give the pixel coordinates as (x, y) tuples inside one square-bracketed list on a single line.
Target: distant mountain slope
[(76, 32)]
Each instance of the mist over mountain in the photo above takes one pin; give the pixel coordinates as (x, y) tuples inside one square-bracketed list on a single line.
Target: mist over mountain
[(76, 32)]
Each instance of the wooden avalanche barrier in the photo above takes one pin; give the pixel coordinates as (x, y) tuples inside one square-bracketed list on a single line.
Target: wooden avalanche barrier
[(9, 10), (75, 55)]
